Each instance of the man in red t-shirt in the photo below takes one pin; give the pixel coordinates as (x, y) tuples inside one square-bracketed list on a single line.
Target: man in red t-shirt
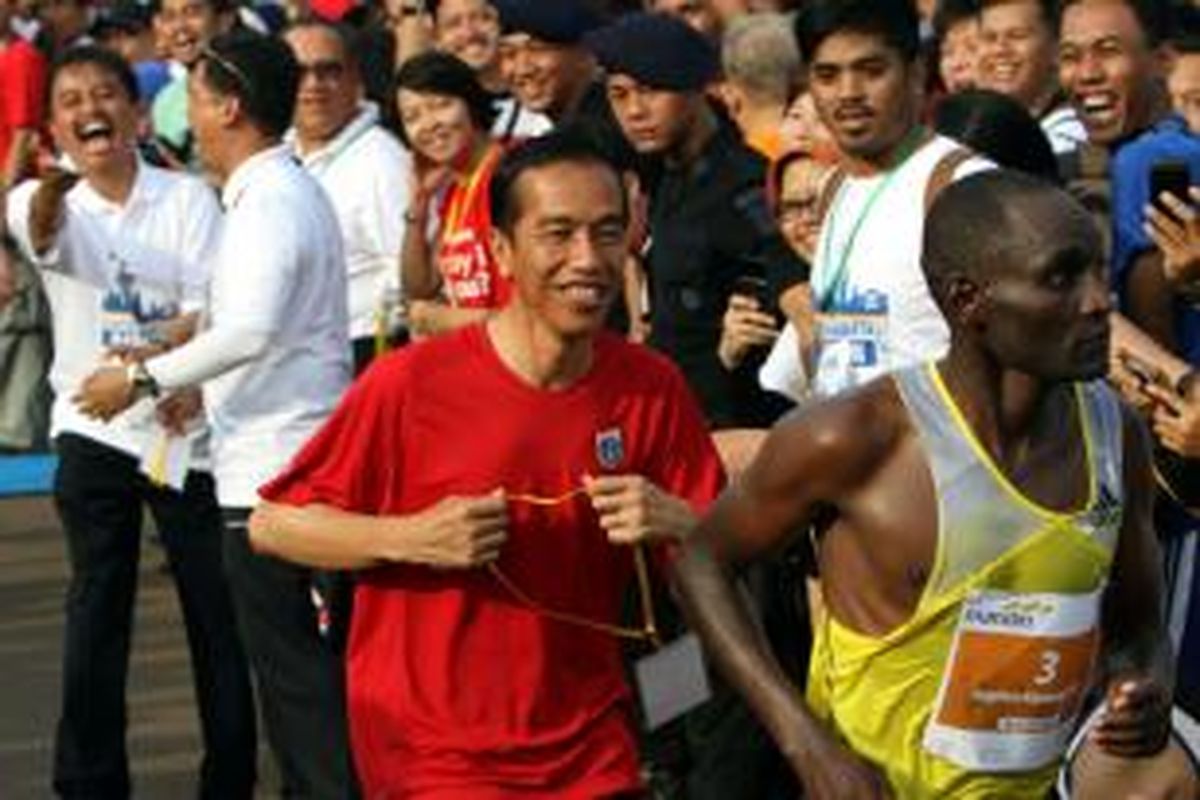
[(495, 485)]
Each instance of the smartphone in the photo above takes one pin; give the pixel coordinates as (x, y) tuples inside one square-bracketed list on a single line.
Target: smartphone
[(754, 287), (1169, 176)]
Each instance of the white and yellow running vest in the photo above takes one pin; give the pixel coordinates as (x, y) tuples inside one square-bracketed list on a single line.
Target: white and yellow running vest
[(978, 693)]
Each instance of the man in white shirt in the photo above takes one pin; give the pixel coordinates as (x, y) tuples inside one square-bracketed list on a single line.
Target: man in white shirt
[(125, 253), (363, 168), (874, 311), (274, 361)]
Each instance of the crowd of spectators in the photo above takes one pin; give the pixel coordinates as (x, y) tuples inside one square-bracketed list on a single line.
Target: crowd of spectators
[(429, 330)]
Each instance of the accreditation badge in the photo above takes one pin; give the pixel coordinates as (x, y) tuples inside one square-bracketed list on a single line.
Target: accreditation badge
[(852, 342), (1015, 681)]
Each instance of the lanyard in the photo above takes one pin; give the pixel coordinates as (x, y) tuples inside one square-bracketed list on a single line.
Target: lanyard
[(826, 295), (649, 629), (461, 201)]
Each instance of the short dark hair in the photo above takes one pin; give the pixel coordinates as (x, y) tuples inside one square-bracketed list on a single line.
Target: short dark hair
[(1049, 9), (218, 6), (557, 147), (949, 13), (894, 21), (1153, 16), (435, 72), (970, 227), (260, 71), (100, 57), (1185, 30), (347, 36), (1000, 128)]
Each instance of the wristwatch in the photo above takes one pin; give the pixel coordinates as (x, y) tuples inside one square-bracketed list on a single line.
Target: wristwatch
[(141, 380)]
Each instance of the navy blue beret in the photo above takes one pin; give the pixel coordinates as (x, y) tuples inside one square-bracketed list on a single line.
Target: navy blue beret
[(557, 21), (657, 50)]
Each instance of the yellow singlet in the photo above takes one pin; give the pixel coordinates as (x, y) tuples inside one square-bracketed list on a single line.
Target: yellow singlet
[(978, 693)]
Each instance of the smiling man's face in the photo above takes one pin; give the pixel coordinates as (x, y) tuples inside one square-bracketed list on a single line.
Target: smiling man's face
[(92, 117)]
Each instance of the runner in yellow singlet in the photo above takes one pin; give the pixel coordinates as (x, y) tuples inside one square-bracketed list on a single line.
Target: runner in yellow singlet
[(985, 550)]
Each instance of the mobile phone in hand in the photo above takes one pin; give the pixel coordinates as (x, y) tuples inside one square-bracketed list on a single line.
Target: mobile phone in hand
[(1172, 177), (754, 287)]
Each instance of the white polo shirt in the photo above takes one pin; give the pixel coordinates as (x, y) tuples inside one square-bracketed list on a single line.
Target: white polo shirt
[(365, 171), (275, 358), (114, 271)]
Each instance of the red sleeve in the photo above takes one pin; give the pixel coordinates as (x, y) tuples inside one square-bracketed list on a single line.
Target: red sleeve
[(686, 462), (25, 77), (354, 461)]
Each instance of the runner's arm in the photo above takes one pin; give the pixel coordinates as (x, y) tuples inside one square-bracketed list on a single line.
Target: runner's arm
[(455, 532), (1137, 664), (817, 456)]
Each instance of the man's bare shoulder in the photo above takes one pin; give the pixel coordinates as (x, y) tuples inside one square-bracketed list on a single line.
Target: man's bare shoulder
[(836, 444)]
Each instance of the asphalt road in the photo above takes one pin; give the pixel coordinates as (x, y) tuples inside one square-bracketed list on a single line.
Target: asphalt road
[(163, 736)]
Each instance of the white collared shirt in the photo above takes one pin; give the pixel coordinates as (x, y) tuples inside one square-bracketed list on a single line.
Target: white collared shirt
[(365, 171), (114, 270), (275, 358)]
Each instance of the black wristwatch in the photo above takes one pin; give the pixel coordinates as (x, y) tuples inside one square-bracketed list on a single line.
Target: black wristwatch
[(141, 380)]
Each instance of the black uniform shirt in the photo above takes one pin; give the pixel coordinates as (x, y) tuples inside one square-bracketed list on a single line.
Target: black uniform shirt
[(709, 225)]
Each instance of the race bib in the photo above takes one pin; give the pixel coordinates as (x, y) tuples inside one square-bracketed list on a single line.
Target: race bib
[(852, 349), (1015, 680)]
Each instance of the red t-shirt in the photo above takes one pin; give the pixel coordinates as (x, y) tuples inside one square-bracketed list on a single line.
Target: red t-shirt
[(22, 90), (464, 249), (457, 689)]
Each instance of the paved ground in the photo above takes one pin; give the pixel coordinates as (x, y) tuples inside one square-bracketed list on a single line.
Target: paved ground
[(163, 736)]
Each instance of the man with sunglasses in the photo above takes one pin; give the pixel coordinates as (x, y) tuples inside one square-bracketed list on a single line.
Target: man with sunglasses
[(273, 362), (336, 135)]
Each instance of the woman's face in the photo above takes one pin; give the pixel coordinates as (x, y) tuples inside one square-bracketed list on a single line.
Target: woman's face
[(438, 126), (797, 209), (802, 129)]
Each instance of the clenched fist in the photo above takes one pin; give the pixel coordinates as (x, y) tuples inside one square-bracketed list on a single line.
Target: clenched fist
[(458, 532), (632, 509)]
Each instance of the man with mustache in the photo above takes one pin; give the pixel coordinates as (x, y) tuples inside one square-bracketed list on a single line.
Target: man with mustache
[(874, 310), (125, 254)]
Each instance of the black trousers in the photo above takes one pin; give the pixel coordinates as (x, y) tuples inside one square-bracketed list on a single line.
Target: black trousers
[(100, 494), (299, 672)]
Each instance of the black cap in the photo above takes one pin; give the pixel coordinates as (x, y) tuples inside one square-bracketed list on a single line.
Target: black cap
[(557, 21), (657, 50)]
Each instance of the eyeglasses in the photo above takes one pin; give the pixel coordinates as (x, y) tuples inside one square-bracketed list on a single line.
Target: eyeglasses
[(228, 67), (798, 207)]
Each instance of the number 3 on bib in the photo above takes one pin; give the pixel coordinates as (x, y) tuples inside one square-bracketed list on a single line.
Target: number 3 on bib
[(1015, 680)]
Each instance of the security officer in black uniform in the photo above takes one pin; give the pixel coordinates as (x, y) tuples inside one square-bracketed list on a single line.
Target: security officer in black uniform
[(710, 226), (710, 229)]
